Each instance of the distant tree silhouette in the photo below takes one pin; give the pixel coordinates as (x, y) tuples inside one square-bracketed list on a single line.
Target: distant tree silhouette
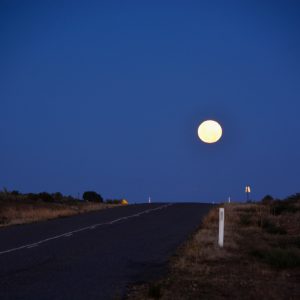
[(15, 193), (268, 199), (293, 198), (58, 196), (45, 197), (33, 197), (92, 196)]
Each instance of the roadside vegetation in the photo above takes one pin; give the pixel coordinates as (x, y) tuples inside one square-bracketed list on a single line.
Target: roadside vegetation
[(260, 258), (18, 208)]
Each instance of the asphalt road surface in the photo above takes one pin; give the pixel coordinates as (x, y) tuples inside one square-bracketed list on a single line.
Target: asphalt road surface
[(94, 255)]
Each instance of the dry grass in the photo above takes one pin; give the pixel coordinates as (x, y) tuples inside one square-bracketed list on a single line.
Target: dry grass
[(260, 259), (20, 213)]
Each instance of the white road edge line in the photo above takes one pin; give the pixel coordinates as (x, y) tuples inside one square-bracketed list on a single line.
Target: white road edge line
[(67, 234), (32, 246)]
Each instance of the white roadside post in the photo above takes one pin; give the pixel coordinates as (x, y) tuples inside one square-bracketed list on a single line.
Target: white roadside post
[(221, 226)]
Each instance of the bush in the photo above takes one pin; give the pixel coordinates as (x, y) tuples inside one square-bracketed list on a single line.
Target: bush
[(113, 201), (281, 258), (288, 242), (272, 228), (45, 197), (92, 196), (279, 207), (267, 200), (245, 219), (15, 193), (58, 196), (33, 197), (154, 291), (293, 198)]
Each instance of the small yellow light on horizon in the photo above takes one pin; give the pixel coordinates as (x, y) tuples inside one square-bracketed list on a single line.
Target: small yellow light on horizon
[(210, 131), (124, 202)]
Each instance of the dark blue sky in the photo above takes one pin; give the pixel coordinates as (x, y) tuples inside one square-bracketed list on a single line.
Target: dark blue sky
[(108, 95)]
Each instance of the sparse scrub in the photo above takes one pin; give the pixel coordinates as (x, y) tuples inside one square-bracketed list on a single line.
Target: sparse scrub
[(280, 207), (114, 201), (278, 257), (267, 200), (28, 213), (245, 219), (154, 291), (92, 196), (17, 208), (272, 228)]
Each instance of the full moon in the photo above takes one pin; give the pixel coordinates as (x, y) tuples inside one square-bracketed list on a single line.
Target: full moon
[(209, 131)]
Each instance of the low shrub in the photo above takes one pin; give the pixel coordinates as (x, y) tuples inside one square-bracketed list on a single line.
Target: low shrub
[(114, 201), (245, 219), (3, 220), (288, 242), (279, 207), (293, 198), (267, 200), (279, 258), (46, 197), (92, 196), (272, 228), (154, 291)]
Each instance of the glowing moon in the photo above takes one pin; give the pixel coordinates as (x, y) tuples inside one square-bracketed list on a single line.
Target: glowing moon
[(210, 131)]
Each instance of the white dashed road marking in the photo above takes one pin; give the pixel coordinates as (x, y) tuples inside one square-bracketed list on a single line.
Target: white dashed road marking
[(32, 246), (68, 234)]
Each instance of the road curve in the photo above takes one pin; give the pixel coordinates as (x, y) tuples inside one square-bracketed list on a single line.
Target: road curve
[(94, 255)]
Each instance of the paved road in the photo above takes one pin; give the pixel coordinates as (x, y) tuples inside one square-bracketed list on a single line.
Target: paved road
[(95, 255)]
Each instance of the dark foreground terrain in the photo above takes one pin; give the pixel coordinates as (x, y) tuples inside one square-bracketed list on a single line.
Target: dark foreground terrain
[(95, 255)]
